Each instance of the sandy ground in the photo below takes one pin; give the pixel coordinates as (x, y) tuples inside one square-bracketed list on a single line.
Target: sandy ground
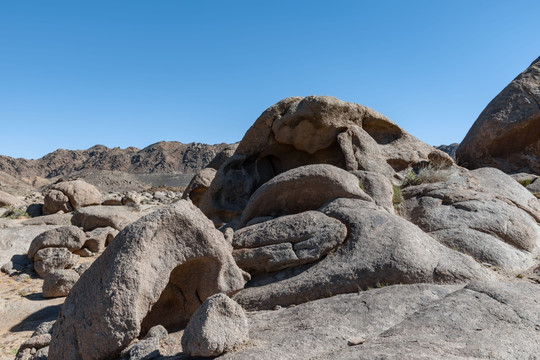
[(22, 309)]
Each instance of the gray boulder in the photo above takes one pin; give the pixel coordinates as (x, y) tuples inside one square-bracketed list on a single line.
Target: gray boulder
[(158, 271), (70, 195), (380, 249), (506, 134), (218, 326), (49, 259), (58, 283), (483, 213), (92, 217), (70, 237), (287, 241), (302, 189)]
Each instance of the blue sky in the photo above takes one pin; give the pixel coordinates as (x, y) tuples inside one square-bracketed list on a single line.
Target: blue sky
[(130, 73)]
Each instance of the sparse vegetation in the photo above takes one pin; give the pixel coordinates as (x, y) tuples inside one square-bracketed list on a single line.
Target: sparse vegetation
[(13, 213), (397, 197), (525, 182), (427, 174)]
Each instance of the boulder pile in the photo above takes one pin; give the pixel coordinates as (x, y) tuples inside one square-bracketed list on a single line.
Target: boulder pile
[(321, 197)]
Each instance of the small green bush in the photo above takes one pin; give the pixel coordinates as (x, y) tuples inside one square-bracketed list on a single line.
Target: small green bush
[(15, 213), (525, 182), (397, 197)]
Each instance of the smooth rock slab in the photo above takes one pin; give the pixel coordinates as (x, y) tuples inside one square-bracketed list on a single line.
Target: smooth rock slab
[(92, 217), (157, 271)]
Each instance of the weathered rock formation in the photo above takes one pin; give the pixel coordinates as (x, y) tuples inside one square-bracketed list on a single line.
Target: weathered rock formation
[(218, 326), (313, 130), (67, 196), (170, 259), (506, 135)]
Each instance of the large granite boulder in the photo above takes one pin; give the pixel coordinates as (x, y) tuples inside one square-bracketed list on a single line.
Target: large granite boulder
[(7, 199), (313, 130), (157, 271), (92, 217), (380, 249), (70, 195), (506, 135), (483, 213)]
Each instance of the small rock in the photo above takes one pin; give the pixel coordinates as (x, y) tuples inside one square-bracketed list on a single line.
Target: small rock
[(356, 341), (59, 282), (7, 267), (218, 326)]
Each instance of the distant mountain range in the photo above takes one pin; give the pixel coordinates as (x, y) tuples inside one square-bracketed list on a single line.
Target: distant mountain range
[(161, 157)]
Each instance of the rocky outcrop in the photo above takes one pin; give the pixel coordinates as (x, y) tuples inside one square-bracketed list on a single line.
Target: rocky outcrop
[(170, 259), (506, 135), (483, 213), (380, 248), (67, 196), (218, 326), (313, 130)]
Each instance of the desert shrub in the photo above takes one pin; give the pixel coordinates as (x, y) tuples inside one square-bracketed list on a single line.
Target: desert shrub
[(13, 213), (397, 197), (525, 182), (427, 174)]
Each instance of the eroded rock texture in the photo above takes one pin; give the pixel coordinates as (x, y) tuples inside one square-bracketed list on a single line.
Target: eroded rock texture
[(313, 130), (506, 135), (170, 259)]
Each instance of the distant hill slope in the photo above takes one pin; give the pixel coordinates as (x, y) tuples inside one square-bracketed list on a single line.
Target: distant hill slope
[(161, 157)]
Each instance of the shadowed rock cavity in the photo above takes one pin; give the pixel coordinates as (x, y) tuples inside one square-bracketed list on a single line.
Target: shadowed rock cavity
[(172, 257)]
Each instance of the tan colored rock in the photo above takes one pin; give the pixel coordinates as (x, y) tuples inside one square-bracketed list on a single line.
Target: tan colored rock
[(58, 283), (198, 185), (10, 200), (70, 195), (313, 130), (506, 134), (56, 201), (158, 271)]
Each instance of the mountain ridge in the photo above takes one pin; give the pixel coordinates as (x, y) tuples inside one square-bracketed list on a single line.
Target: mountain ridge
[(160, 157)]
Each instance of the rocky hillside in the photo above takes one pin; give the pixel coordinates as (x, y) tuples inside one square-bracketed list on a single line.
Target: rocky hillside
[(161, 157)]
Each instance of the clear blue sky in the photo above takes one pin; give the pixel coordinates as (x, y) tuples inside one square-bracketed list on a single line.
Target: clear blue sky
[(130, 73)]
